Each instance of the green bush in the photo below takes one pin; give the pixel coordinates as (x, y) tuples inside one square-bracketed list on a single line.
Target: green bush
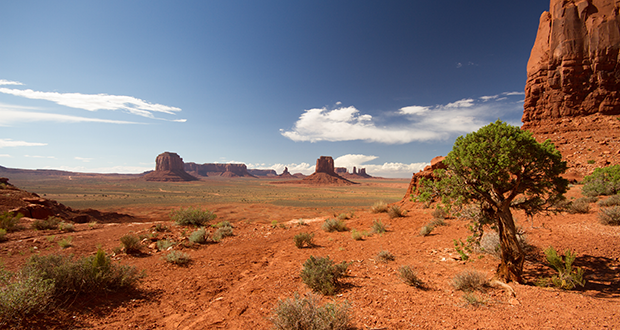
[(384, 256), (160, 228), (410, 278), (131, 243), (356, 235), (604, 181), (87, 275), (49, 223), (379, 207), (322, 275), (66, 242), (223, 224), (2, 235), (304, 239), (579, 205), (331, 225), (299, 313), (470, 280), (23, 295), (65, 226), (9, 221), (192, 217), (609, 216), (164, 244), (394, 211), (222, 232), (177, 257), (567, 278), (199, 236), (610, 201), (378, 227)]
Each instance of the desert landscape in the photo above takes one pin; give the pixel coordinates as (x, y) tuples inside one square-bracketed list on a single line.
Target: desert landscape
[(401, 259)]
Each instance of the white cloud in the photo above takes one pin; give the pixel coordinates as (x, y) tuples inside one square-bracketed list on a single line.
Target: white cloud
[(39, 157), (418, 123), (8, 82), (121, 169), (93, 102), (351, 160), (11, 116), (11, 143), (394, 170), (487, 98), (85, 160), (293, 168), (513, 93), (5, 156)]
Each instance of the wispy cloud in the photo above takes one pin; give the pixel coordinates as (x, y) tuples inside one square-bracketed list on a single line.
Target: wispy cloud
[(5, 156), (9, 116), (39, 157), (85, 160), (415, 123), (11, 143), (94, 102)]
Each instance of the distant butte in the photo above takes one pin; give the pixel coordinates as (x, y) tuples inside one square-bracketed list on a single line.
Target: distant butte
[(324, 174), (169, 168)]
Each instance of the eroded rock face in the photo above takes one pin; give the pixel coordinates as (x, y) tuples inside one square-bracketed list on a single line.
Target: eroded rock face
[(325, 164), (427, 173), (169, 167), (168, 161), (226, 170), (572, 70)]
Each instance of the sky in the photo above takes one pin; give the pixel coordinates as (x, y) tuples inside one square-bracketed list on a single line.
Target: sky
[(106, 86)]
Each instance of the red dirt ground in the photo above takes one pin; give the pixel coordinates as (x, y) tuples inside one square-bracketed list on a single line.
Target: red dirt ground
[(236, 283)]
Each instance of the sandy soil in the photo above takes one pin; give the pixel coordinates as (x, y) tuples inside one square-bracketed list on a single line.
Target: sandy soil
[(236, 283)]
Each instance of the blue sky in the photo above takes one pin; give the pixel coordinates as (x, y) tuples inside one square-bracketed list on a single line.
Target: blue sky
[(106, 86)]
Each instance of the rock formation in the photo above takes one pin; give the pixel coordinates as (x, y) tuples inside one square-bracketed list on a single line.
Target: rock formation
[(426, 173), (343, 172), (324, 174), (225, 170), (286, 174), (573, 82), (169, 167), (262, 173)]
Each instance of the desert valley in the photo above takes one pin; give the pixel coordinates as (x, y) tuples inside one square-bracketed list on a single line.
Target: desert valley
[(235, 269)]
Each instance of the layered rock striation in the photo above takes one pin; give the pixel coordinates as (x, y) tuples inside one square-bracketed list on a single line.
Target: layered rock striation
[(169, 167), (225, 170)]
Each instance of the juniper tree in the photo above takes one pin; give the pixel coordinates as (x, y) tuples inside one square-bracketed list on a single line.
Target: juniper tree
[(500, 167)]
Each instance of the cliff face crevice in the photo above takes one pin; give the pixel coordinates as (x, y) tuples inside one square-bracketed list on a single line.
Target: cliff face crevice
[(573, 66)]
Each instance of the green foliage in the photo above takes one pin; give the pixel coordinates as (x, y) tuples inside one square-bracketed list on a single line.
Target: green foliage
[(610, 201), (609, 215), (568, 277), (439, 213), (395, 211), (463, 249), (379, 207), (164, 244), (409, 276), (66, 242), (192, 217), (322, 275), (65, 226), (2, 235), (299, 313), (9, 221), (131, 243), (378, 227), (356, 235), (160, 228), (473, 299), (469, 281), (384, 256), (22, 295), (177, 257), (50, 223), (224, 223), (332, 225), (580, 205), (304, 240), (603, 181), (199, 236), (222, 232)]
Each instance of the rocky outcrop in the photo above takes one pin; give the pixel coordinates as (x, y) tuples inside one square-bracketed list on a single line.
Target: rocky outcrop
[(344, 172), (262, 173), (225, 170), (573, 66), (324, 174), (427, 173), (169, 168), (286, 174), (325, 164), (572, 93)]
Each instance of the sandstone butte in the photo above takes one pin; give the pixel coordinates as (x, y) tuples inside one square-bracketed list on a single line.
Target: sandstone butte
[(224, 170), (324, 174), (572, 93), (169, 167)]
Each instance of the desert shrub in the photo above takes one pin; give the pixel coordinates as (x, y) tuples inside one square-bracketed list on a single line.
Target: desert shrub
[(356, 235), (489, 243), (610, 201), (2, 235), (385, 256), (609, 216), (409, 276), (199, 236), (192, 217), (164, 244), (66, 242), (222, 232), (161, 228), (379, 207), (322, 275), (470, 280), (131, 243), (378, 227), (304, 239), (427, 229), (439, 213), (224, 223), (22, 295), (567, 278), (342, 216), (177, 257), (9, 221), (580, 205), (603, 181), (331, 225), (394, 211), (473, 299), (436, 222), (87, 275), (49, 223), (65, 226), (301, 313)]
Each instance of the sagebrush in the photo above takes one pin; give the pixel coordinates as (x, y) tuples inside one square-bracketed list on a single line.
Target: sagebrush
[(409, 276), (192, 217), (470, 280), (304, 240), (322, 275), (331, 225), (301, 313)]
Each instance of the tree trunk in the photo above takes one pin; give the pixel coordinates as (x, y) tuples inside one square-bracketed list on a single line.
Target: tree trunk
[(511, 267)]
